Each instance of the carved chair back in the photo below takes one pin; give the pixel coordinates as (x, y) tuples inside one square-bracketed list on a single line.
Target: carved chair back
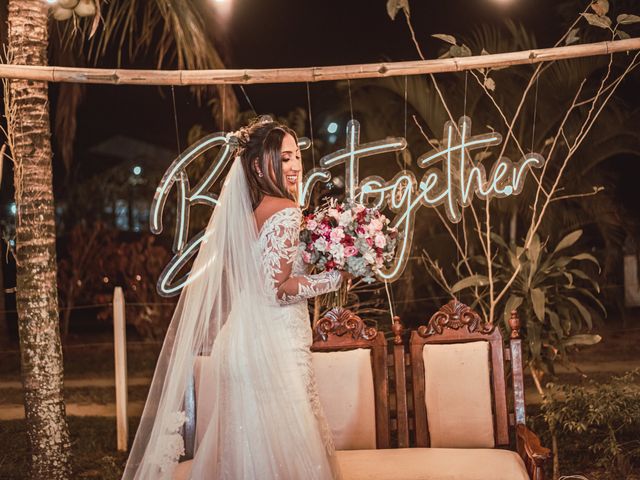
[(457, 354), (351, 368)]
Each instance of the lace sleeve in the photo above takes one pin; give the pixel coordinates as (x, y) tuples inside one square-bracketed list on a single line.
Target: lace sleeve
[(280, 250)]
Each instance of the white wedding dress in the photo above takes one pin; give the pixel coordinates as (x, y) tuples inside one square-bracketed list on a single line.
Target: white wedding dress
[(242, 321), (245, 452)]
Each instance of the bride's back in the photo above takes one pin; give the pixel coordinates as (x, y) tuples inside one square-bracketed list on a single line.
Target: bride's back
[(269, 206)]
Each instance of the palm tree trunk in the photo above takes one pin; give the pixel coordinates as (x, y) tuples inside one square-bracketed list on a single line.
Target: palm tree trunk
[(36, 293)]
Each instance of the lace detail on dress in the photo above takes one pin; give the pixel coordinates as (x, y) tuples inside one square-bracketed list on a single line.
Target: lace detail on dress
[(286, 276), (171, 444), (279, 239), (316, 407)]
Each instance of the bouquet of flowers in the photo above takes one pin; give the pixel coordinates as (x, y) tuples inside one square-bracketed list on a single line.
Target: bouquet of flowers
[(348, 237)]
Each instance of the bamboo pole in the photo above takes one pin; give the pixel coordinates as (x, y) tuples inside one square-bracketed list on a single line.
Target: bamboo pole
[(120, 353), (310, 74)]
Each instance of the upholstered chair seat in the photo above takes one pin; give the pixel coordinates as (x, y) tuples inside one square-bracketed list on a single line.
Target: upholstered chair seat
[(432, 464), (420, 464)]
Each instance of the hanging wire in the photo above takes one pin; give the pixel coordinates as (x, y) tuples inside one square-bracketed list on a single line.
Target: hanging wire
[(175, 120), (464, 114), (313, 153), (350, 100), (466, 79), (405, 107), (224, 98), (390, 298), (248, 100), (389, 288), (535, 112)]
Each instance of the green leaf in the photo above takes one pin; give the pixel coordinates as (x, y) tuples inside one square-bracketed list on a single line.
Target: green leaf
[(627, 19), (446, 38), (597, 20), (568, 240), (587, 293), (460, 51), (589, 257), (583, 339), (472, 281), (584, 312), (538, 299), (512, 304), (569, 278), (572, 37), (534, 249), (622, 35), (490, 84), (601, 7), (555, 323), (497, 238), (394, 6)]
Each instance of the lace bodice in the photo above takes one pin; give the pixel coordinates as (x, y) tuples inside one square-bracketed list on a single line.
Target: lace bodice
[(282, 260)]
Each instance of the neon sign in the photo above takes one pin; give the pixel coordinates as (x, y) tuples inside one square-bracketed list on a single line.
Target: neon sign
[(451, 186)]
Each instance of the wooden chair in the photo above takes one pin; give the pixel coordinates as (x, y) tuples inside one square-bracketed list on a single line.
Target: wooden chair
[(460, 396), (351, 365)]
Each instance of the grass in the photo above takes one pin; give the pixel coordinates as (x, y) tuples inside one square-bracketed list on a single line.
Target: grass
[(93, 443), (90, 360), (81, 395), (95, 456)]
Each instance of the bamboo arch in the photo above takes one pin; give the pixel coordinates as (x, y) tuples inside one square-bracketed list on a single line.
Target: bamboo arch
[(310, 74)]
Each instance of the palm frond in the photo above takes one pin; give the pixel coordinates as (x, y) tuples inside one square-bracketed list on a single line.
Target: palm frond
[(175, 31)]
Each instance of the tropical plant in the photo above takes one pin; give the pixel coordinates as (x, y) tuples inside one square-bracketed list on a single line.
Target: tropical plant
[(175, 33), (28, 136), (554, 292)]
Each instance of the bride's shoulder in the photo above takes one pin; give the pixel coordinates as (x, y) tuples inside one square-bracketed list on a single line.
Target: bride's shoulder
[(271, 206), (275, 204)]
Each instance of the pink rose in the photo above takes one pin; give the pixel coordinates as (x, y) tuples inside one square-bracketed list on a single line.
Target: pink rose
[(332, 212), (350, 251), (337, 234), (306, 257), (380, 241), (375, 226), (312, 225)]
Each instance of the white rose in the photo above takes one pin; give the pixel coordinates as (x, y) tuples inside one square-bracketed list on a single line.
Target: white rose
[(320, 244), (337, 250), (345, 218)]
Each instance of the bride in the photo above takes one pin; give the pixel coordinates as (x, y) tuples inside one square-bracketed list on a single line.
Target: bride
[(243, 318)]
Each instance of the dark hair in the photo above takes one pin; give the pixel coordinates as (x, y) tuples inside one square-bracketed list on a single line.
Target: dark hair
[(261, 140)]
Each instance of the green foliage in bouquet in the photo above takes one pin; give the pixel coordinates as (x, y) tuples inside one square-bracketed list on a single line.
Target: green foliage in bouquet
[(554, 293)]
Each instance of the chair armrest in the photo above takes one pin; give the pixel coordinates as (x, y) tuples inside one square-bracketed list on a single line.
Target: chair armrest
[(529, 447)]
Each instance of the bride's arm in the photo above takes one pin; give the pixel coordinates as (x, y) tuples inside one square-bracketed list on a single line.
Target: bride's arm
[(280, 252)]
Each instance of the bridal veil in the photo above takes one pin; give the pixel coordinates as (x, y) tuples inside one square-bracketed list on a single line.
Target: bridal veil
[(258, 422)]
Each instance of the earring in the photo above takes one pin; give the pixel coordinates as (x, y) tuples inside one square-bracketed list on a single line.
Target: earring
[(255, 164)]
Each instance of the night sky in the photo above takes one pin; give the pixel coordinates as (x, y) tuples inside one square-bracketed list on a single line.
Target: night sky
[(288, 33), (285, 33)]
